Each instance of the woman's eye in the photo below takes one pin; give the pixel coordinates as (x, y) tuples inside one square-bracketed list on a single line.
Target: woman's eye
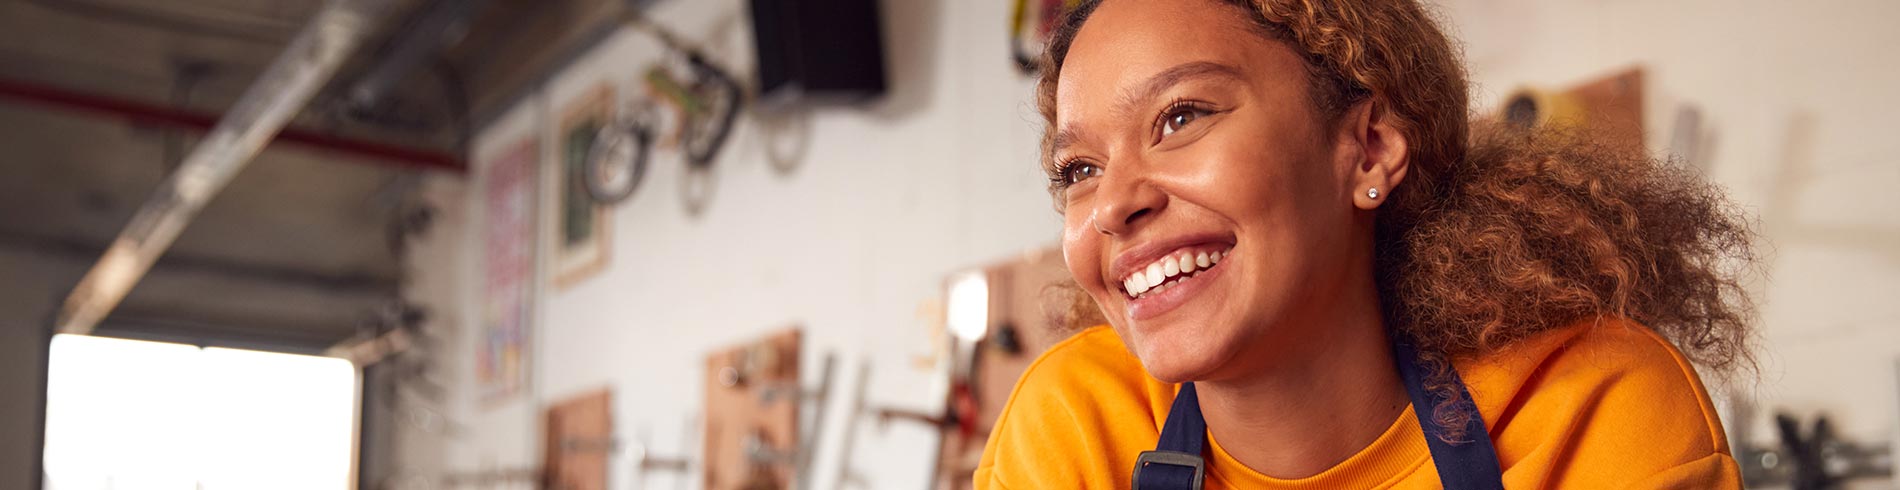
[(1179, 119), (1082, 171)]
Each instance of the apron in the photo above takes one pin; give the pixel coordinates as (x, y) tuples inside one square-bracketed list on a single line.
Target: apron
[(1176, 464)]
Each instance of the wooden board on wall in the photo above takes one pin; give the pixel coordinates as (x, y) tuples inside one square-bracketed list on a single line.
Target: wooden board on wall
[(1027, 297), (1609, 107), (752, 399), (1615, 106), (579, 433)]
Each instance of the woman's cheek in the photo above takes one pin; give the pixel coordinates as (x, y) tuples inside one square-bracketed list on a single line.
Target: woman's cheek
[(1079, 252)]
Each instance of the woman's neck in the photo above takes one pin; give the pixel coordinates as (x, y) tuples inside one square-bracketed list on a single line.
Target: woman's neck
[(1315, 404)]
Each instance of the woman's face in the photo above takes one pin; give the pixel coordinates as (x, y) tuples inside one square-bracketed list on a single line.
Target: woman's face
[(1208, 209)]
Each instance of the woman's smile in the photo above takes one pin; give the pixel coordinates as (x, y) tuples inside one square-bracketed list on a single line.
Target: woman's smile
[(1154, 286)]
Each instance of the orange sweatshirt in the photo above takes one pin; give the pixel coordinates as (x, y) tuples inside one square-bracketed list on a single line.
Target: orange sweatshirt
[(1604, 404)]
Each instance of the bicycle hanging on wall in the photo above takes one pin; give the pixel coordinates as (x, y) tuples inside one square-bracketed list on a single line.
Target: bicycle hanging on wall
[(705, 100)]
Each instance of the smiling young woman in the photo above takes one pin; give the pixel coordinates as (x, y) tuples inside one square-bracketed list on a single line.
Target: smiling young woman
[(1316, 272)]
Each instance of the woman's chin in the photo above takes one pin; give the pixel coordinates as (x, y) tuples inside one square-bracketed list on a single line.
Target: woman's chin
[(1177, 360)]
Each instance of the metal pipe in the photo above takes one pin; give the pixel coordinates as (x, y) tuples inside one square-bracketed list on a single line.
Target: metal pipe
[(264, 31), (310, 60), (144, 113), (371, 350)]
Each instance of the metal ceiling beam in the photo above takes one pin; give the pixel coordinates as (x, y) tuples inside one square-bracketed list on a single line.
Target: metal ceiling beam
[(310, 60), (143, 113), (67, 251)]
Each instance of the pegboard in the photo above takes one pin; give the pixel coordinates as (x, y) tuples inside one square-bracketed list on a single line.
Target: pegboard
[(752, 403)]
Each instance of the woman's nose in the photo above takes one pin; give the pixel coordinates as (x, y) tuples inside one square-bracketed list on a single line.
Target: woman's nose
[(1124, 201)]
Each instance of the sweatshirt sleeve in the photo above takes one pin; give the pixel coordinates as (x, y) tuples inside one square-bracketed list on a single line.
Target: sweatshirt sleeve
[(1717, 471), (1077, 418), (1616, 406)]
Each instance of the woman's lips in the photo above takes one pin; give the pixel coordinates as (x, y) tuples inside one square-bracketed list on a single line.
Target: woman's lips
[(1176, 278)]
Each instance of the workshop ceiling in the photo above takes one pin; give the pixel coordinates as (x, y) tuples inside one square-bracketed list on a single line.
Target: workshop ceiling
[(301, 249)]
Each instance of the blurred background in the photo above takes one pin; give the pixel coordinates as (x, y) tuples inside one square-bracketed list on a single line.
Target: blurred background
[(420, 244)]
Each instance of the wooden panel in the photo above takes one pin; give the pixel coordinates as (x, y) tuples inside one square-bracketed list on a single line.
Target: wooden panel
[(752, 399), (515, 44), (1614, 105), (579, 435), (1026, 302), (1611, 107)]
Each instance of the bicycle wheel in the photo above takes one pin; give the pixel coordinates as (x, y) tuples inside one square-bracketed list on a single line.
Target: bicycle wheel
[(720, 99), (618, 160)]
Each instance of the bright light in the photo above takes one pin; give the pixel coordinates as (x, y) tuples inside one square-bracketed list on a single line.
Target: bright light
[(131, 415), (969, 306), (118, 415)]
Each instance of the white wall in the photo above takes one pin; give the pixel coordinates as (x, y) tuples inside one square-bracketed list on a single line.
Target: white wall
[(940, 176), (1798, 98), (888, 200)]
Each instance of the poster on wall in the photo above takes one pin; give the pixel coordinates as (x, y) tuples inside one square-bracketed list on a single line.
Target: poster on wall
[(508, 245), (582, 238)]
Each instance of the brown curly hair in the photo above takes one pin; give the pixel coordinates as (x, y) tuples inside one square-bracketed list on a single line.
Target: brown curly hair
[(1499, 233)]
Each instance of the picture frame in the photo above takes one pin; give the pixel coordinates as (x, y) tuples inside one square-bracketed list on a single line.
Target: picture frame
[(583, 237)]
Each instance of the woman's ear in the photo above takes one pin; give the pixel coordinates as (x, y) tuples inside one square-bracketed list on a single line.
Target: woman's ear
[(1382, 158)]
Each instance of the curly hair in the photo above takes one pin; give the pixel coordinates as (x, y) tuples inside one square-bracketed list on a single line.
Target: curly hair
[(1500, 233)]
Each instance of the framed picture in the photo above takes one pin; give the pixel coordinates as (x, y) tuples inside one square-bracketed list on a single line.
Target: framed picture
[(582, 235), (509, 198)]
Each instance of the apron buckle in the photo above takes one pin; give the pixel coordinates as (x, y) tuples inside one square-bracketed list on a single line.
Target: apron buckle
[(1171, 458)]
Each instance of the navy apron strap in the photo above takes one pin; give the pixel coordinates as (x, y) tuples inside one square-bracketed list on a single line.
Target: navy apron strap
[(1469, 463), (1176, 462)]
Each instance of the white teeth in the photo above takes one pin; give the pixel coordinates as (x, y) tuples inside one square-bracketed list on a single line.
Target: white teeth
[(1150, 279)]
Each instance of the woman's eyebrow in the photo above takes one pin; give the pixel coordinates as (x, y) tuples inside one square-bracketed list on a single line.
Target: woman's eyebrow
[(1150, 89), (1172, 76), (1065, 138)]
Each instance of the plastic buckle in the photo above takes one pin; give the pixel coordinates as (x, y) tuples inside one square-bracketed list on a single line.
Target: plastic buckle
[(1171, 458)]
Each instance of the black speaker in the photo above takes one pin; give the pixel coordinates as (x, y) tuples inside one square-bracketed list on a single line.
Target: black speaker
[(817, 51)]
